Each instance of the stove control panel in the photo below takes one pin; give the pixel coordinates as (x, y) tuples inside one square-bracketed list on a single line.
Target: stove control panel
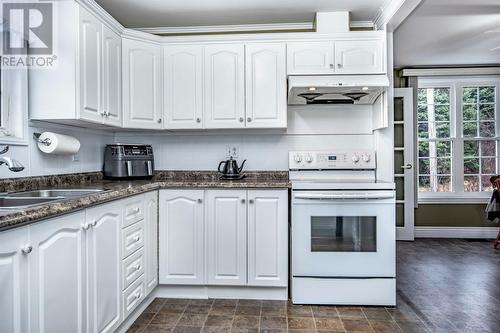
[(329, 160)]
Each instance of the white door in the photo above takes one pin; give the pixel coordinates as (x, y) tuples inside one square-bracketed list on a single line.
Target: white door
[(14, 292), (310, 58), (183, 97), (227, 237), (224, 88), (57, 275), (103, 267), (151, 239), (112, 72), (404, 173), (90, 67), (181, 237), (268, 238), (265, 75), (359, 57), (142, 99)]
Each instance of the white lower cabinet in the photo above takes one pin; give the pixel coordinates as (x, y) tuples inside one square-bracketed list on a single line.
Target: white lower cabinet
[(58, 276), (242, 240), (181, 237), (151, 239), (103, 267), (226, 237), (14, 299)]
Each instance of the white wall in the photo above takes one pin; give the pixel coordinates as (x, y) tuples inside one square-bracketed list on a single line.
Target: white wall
[(36, 163)]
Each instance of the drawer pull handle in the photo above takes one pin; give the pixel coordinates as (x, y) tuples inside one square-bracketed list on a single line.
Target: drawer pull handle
[(27, 249), (136, 238), (137, 267), (136, 210)]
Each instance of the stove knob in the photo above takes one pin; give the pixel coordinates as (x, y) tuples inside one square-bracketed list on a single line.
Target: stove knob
[(366, 158), (297, 158), (355, 158), (309, 158)]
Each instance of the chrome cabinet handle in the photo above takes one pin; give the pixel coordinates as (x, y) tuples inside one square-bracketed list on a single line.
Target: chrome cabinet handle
[(138, 295), (243, 200), (249, 119), (108, 113), (198, 120), (136, 238), (251, 201), (200, 200), (331, 66), (136, 210), (86, 226), (137, 267), (159, 121), (27, 249), (241, 119), (94, 223), (339, 65), (407, 166)]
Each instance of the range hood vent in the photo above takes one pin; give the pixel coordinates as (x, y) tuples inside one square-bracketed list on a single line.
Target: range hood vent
[(336, 89)]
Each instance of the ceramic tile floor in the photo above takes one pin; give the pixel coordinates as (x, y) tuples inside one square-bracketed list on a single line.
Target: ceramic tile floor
[(443, 286)]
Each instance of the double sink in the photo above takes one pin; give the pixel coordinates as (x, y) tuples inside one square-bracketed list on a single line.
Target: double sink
[(27, 199)]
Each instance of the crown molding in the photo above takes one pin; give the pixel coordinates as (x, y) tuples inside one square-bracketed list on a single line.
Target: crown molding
[(452, 71), (393, 13)]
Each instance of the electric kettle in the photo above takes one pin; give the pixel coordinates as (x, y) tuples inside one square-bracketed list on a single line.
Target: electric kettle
[(230, 169)]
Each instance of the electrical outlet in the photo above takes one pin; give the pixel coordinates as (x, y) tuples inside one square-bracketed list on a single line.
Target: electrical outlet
[(232, 151)]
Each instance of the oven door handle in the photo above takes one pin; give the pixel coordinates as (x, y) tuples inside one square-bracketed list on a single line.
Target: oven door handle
[(333, 196)]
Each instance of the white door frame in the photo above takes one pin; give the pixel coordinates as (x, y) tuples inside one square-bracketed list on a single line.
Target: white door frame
[(407, 232)]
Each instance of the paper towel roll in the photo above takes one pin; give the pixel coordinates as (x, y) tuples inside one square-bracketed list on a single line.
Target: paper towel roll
[(60, 144)]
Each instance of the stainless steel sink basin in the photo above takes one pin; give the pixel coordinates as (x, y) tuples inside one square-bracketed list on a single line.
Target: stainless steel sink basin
[(53, 193), (19, 203)]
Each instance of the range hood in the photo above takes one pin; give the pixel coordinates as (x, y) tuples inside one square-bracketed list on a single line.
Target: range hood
[(336, 89)]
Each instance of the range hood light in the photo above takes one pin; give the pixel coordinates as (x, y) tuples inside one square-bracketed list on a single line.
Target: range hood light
[(364, 88), (312, 88)]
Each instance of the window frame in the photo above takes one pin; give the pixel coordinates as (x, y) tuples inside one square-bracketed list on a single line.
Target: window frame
[(456, 85)]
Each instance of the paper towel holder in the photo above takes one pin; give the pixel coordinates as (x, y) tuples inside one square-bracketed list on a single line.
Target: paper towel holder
[(36, 137)]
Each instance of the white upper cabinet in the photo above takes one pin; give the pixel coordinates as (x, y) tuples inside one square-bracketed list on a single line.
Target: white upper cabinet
[(58, 275), (183, 98), (359, 57), (112, 77), (268, 238), (14, 253), (224, 89), (151, 239), (266, 91), (103, 225), (142, 97), (226, 237), (90, 66), (181, 230), (310, 58), (356, 56)]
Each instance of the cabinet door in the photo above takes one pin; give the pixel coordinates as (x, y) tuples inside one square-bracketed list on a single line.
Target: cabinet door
[(112, 69), (141, 85), (266, 103), (226, 237), (310, 58), (181, 237), (359, 57), (183, 86), (57, 274), (90, 67), (268, 238), (151, 239), (14, 280), (224, 87), (103, 267)]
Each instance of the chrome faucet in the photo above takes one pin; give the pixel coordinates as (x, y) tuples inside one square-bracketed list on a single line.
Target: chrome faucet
[(13, 164)]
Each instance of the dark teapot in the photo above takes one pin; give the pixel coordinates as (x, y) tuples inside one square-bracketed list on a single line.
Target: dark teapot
[(230, 168)]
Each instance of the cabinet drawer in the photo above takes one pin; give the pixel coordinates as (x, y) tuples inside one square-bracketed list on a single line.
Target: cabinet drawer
[(132, 268), (133, 296), (133, 239), (133, 210)]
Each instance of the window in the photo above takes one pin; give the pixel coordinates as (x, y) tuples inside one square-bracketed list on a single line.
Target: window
[(457, 136)]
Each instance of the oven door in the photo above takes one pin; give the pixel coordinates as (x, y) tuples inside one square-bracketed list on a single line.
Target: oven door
[(343, 234)]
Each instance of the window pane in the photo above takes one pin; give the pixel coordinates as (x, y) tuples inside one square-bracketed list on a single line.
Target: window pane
[(471, 148), (424, 184), (443, 148), (442, 113), (444, 184), (424, 166), (443, 166), (442, 96), (485, 183), (488, 166), (423, 149), (487, 111), (471, 183), (470, 95), (471, 166), (470, 112), (486, 94), (470, 129), (422, 96), (442, 130), (422, 112), (487, 129), (423, 130), (488, 148)]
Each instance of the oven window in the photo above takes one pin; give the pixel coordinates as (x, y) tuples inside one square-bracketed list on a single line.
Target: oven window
[(343, 234)]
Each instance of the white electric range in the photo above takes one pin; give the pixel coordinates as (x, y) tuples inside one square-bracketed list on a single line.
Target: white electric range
[(343, 230)]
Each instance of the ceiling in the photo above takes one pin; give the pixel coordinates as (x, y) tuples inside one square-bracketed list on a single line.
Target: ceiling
[(186, 13), (449, 32)]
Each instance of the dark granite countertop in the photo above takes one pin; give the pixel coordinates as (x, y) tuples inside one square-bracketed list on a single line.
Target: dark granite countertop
[(119, 189)]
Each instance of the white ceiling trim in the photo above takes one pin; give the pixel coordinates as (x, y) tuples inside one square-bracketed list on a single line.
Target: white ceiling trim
[(394, 13), (451, 71)]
